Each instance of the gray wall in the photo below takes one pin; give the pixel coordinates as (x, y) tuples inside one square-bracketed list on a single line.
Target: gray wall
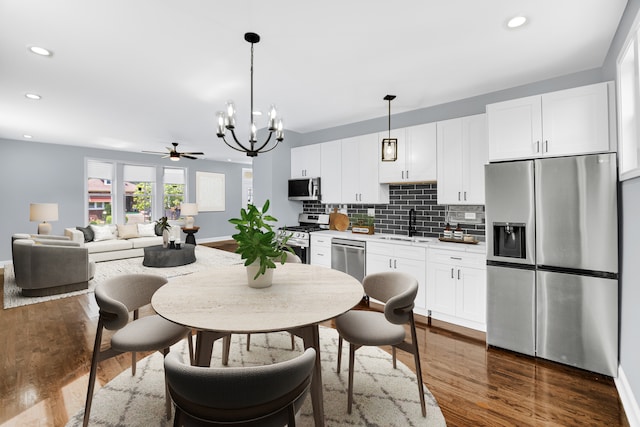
[(271, 172), (629, 236), (49, 173)]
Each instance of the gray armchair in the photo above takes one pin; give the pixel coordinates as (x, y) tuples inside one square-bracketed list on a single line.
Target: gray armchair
[(45, 266)]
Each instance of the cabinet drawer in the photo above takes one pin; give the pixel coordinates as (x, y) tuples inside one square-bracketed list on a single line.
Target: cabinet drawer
[(321, 241), (410, 252), (460, 258), (393, 250)]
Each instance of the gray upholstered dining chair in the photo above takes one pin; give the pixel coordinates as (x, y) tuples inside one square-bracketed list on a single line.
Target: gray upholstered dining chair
[(268, 395), (293, 258), (371, 328), (117, 298)]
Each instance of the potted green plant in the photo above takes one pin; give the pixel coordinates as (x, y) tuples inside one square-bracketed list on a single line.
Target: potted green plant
[(258, 244), (162, 229)]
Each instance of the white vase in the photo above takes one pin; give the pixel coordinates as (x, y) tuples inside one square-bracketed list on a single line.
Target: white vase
[(263, 280), (165, 238)]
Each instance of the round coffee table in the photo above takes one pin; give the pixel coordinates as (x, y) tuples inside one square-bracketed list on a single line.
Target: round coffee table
[(157, 256)]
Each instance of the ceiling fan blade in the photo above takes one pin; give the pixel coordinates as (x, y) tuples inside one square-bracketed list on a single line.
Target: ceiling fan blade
[(154, 152), (188, 157), (199, 153)]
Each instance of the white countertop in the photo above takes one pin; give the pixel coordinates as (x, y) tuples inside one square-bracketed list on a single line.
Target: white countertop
[(433, 242)]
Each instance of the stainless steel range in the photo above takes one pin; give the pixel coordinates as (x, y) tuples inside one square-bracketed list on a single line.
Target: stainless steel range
[(299, 235)]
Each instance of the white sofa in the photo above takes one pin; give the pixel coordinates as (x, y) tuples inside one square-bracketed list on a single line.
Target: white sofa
[(122, 243)]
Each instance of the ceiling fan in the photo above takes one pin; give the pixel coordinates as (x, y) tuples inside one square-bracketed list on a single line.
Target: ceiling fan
[(175, 155)]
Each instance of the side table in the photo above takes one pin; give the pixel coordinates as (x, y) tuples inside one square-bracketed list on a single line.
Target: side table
[(190, 234)]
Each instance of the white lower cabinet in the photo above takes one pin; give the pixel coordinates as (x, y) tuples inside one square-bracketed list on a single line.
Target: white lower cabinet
[(397, 257), (320, 250), (456, 287)]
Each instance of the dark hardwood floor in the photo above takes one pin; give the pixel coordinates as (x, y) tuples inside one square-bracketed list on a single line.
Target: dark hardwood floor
[(46, 351)]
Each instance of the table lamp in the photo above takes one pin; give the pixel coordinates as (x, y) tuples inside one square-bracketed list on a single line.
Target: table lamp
[(189, 210), (43, 212)]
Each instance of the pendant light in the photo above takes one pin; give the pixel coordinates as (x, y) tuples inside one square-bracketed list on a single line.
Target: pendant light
[(389, 145), (227, 121)]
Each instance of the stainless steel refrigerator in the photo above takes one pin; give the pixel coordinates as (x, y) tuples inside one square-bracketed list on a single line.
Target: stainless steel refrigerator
[(552, 259)]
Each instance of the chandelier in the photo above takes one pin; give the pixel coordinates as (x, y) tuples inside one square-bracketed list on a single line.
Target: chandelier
[(227, 120)]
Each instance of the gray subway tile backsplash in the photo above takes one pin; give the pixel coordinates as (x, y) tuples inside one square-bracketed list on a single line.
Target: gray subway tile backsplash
[(431, 218)]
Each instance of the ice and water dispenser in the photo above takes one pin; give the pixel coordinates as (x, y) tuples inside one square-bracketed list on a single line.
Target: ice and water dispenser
[(509, 240)]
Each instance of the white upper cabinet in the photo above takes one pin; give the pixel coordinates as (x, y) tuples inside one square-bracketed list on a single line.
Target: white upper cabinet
[(360, 183), (305, 161), (566, 122), (416, 155), (331, 172), (462, 154)]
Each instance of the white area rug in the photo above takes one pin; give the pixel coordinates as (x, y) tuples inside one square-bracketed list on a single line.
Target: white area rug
[(205, 258), (383, 396)]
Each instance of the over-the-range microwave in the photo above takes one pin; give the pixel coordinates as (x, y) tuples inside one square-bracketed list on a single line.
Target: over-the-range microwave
[(304, 189)]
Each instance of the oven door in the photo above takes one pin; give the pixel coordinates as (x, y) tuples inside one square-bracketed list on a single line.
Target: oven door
[(299, 245), (302, 252)]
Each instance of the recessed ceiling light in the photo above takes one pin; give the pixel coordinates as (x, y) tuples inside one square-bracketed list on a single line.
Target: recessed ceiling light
[(34, 96), (517, 21), (40, 51), (27, 136)]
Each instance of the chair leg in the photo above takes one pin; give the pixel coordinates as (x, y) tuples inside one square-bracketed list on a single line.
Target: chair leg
[(92, 373), (339, 353), (393, 353), (167, 395), (352, 354), (248, 342), (416, 358), (293, 342), (133, 363)]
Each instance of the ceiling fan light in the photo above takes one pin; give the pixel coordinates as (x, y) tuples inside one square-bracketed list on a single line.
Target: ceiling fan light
[(174, 156)]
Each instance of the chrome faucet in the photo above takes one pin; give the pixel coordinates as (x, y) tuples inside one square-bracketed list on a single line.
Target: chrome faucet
[(412, 222)]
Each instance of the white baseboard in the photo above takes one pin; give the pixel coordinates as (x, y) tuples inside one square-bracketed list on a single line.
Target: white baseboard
[(629, 402), (213, 239)]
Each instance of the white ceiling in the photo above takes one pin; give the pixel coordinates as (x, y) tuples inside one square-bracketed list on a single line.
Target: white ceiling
[(137, 75)]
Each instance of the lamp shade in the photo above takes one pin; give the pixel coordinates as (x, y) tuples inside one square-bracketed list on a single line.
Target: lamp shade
[(43, 212), (189, 209)]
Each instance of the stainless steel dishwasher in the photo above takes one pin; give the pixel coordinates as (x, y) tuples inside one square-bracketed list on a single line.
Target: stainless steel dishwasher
[(348, 256)]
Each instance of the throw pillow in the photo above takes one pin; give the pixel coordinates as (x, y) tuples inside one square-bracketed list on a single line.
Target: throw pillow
[(128, 231), (147, 230), (88, 233), (102, 232)]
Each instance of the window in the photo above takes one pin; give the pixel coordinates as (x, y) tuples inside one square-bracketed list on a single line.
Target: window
[(138, 190), (628, 82), (100, 196), (115, 190), (173, 194)]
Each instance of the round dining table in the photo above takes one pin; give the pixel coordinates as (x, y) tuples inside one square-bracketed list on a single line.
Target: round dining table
[(218, 302)]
